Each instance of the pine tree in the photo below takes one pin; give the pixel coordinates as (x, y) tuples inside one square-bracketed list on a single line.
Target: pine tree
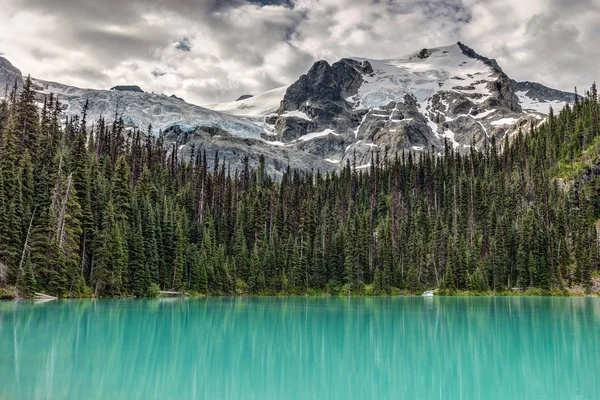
[(449, 282), (10, 224), (180, 247), (240, 254), (140, 275), (412, 280), (26, 283), (27, 119), (110, 262)]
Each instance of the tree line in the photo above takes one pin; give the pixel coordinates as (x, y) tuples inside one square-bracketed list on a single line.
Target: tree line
[(107, 210)]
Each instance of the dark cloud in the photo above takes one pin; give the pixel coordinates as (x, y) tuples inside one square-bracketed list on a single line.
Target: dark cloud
[(215, 50), (44, 54), (184, 45), (286, 3), (86, 74)]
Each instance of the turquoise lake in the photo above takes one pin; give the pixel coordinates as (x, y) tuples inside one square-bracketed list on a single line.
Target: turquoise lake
[(301, 348)]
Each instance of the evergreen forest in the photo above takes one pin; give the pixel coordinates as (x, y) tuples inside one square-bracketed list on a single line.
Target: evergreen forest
[(93, 208)]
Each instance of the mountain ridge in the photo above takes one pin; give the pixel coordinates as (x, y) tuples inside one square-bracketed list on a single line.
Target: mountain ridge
[(411, 103), (336, 112)]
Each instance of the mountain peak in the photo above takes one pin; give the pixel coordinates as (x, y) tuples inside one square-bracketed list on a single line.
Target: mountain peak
[(416, 102), (469, 52)]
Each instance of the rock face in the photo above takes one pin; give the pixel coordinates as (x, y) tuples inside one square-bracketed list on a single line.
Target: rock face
[(323, 90), (321, 96), (8, 76), (233, 149), (539, 98), (127, 88), (540, 92), (244, 97)]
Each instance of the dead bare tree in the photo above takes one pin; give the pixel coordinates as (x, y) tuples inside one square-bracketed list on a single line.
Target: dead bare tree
[(26, 244), (61, 217), (3, 273)]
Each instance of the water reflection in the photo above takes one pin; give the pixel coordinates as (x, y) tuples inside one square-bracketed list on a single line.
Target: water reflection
[(301, 348)]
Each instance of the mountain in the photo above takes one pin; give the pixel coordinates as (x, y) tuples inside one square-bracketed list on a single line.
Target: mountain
[(139, 109), (337, 112), (182, 123), (346, 110)]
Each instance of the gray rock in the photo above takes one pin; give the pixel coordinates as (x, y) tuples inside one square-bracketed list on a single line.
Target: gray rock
[(540, 92), (291, 128), (330, 147), (9, 74), (469, 52), (502, 95), (467, 131), (321, 94), (127, 88), (244, 97), (232, 150)]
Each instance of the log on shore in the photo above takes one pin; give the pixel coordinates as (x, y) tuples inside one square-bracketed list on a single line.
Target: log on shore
[(42, 296), (170, 293)]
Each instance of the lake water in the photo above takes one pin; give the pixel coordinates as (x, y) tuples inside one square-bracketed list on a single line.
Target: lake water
[(301, 348)]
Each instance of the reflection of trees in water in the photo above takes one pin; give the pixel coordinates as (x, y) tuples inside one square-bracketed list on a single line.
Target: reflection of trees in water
[(302, 347)]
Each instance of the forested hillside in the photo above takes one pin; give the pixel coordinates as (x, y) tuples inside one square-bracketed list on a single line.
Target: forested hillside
[(88, 207)]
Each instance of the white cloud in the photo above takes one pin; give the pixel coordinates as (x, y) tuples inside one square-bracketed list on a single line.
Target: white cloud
[(236, 47)]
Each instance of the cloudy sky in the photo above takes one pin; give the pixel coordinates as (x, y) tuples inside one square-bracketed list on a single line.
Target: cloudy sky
[(209, 51)]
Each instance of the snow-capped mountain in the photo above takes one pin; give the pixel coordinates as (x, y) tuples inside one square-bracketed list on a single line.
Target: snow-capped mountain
[(414, 103), (334, 113), (140, 109)]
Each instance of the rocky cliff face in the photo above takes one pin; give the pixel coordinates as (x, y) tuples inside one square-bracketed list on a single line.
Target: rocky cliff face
[(323, 91), (127, 88), (539, 98), (319, 98), (233, 149), (9, 74)]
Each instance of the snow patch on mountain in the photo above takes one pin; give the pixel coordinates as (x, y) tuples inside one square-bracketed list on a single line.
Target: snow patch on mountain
[(484, 114), (421, 75), (541, 106), (257, 106), (314, 135), (140, 110), (297, 114), (504, 121)]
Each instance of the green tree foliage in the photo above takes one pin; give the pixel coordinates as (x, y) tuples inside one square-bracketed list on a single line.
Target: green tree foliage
[(120, 212)]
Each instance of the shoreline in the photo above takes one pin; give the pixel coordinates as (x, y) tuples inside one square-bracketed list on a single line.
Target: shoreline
[(323, 295), (9, 293)]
